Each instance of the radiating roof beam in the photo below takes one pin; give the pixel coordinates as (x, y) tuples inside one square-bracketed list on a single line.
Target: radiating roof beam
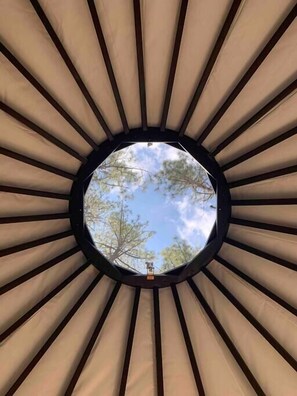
[(30, 218), (249, 73), (92, 340), (256, 117), (227, 340), (188, 341), (158, 343), (40, 131), (130, 340), (273, 142), (264, 202), (108, 64), (174, 59), (53, 337), (140, 63), (36, 164), (264, 226), (260, 253), (58, 44), (253, 321), (32, 311), (38, 270), (210, 64), (256, 285), (36, 242), (263, 176), (47, 96), (33, 193)]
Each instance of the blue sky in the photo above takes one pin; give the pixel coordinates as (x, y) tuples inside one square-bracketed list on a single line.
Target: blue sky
[(166, 216)]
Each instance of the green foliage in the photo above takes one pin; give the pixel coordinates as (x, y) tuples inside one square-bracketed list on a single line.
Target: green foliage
[(122, 238), (119, 236), (118, 173), (181, 176), (180, 252), (96, 206)]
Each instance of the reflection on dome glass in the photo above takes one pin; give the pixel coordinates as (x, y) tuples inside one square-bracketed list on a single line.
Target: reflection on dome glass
[(150, 203)]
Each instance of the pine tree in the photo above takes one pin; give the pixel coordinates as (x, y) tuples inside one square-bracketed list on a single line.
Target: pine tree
[(184, 176), (178, 253), (122, 238)]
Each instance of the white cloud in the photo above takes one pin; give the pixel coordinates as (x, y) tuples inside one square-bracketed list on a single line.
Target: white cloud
[(195, 222), (147, 160), (151, 158)]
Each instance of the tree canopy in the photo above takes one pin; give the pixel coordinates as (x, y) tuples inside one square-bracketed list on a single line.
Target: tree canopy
[(116, 173), (181, 175), (180, 251), (122, 236)]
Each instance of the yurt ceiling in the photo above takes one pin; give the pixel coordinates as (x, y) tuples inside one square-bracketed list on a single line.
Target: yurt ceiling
[(79, 77)]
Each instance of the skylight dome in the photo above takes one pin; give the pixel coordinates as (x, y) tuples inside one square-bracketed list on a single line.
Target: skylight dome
[(150, 202)]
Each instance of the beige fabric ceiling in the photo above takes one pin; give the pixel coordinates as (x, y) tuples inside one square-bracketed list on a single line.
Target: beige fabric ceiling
[(24, 35)]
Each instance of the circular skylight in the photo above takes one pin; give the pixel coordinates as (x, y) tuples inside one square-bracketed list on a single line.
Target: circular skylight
[(150, 204)]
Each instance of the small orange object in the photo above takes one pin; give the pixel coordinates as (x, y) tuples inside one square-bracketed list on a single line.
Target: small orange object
[(150, 270)]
